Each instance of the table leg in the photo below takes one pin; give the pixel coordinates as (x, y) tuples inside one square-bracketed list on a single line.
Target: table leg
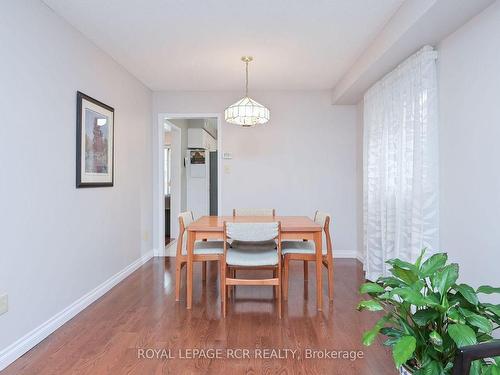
[(189, 273), (319, 279)]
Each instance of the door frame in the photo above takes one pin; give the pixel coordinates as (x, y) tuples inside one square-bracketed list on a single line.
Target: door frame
[(176, 174), (158, 175)]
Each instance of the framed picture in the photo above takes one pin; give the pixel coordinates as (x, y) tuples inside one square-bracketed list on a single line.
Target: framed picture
[(94, 142)]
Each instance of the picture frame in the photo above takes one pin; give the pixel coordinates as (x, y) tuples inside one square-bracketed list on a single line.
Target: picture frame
[(94, 142)]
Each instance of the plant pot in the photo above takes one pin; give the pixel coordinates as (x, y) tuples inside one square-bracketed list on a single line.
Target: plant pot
[(405, 370)]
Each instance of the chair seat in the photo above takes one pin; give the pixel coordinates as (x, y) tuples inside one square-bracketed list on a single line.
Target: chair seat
[(206, 248), (271, 244), (300, 247), (251, 257)]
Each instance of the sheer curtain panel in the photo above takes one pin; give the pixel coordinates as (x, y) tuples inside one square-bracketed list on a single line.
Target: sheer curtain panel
[(400, 164)]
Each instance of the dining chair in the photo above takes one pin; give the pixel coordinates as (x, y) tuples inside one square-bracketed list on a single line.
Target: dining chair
[(261, 212), (255, 258), (306, 251), (203, 251)]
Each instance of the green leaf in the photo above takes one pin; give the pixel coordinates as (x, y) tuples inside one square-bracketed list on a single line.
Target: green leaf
[(475, 368), (370, 305), (391, 341), (483, 337), (455, 316), (431, 265), (409, 277), (390, 281), (412, 296), (402, 264), (418, 285), (445, 278), (423, 317), (462, 334), (370, 335), (486, 289), (495, 370), (431, 368), (480, 322), (403, 350), (468, 293), (371, 288), (418, 263), (391, 332), (495, 309), (435, 338), (466, 313)]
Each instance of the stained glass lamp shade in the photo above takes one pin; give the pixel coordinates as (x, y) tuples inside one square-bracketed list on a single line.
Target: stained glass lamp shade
[(246, 112)]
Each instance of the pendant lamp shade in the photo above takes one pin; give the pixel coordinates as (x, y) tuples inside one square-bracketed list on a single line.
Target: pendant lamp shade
[(246, 112)]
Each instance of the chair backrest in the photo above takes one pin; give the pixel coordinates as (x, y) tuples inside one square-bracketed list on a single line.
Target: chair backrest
[(252, 232), (324, 219), (254, 212), (185, 218), (467, 354)]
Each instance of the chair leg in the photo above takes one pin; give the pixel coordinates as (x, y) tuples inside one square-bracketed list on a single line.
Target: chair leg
[(275, 287), (233, 287), (279, 291), (178, 269), (223, 286), (306, 270), (230, 288), (285, 278), (204, 271), (330, 276)]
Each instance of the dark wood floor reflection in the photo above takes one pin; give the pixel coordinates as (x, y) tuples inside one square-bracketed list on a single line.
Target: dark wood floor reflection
[(141, 312)]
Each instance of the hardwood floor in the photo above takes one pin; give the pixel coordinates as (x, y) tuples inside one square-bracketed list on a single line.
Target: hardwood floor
[(141, 313)]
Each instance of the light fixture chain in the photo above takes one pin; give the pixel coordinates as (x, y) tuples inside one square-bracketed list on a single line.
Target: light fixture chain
[(246, 85)]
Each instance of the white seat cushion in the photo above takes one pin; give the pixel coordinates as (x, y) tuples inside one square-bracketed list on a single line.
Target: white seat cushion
[(300, 247), (271, 244), (247, 257), (206, 247)]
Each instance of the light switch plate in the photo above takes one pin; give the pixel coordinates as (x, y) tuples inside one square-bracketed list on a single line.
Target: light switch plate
[(227, 155), (4, 304)]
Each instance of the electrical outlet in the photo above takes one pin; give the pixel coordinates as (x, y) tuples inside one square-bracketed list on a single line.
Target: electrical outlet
[(4, 304), (227, 169), (145, 236)]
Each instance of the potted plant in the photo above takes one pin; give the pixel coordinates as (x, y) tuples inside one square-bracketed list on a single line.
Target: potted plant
[(428, 316)]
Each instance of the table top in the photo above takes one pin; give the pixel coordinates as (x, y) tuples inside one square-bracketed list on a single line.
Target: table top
[(288, 223)]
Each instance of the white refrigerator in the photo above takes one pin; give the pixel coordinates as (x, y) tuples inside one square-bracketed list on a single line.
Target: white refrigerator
[(198, 181)]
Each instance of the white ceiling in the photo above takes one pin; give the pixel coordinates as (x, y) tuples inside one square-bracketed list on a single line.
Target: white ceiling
[(197, 44)]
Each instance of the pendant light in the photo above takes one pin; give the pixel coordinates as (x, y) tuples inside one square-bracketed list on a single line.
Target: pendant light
[(246, 112)]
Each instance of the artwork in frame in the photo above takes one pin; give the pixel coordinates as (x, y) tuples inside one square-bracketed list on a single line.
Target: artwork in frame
[(94, 142)]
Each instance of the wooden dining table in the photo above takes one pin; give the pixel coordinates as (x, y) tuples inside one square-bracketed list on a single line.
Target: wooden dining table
[(292, 228)]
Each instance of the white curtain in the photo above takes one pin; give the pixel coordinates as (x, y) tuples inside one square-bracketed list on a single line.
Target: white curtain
[(400, 166)]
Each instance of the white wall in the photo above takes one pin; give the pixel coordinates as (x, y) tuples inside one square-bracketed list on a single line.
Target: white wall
[(302, 160), (59, 242), (469, 85)]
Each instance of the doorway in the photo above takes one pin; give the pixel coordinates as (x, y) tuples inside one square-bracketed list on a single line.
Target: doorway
[(189, 161), (172, 170)]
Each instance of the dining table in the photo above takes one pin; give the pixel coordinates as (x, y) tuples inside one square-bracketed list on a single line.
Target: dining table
[(292, 228)]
